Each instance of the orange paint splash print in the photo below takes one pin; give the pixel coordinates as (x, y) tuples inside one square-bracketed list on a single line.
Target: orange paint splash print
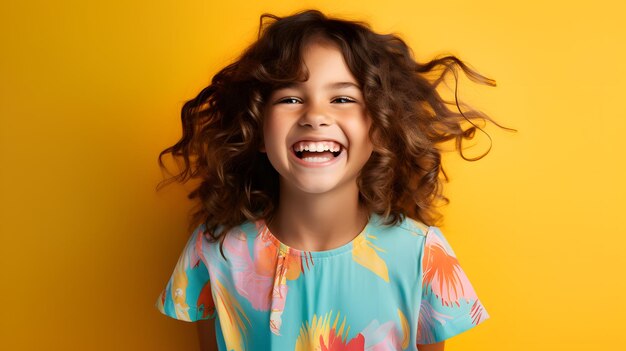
[(443, 275)]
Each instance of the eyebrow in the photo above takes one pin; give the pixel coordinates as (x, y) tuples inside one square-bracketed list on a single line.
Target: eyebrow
[(335, 85), (342, 85)]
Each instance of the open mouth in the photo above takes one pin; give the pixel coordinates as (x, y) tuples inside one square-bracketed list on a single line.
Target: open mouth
[(317, 151)]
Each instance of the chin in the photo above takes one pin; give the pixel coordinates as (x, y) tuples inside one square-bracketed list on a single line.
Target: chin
[(315, 190), (313, 187)]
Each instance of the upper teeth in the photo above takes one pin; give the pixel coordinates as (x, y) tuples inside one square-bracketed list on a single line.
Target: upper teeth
[(319, 146)]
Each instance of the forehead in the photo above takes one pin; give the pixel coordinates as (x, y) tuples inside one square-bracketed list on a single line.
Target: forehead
[(320, 50), (322, 62)]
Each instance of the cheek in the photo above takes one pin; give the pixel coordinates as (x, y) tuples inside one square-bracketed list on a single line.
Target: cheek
[(359, 131), (274, 121), (274, 135), (361, 141)]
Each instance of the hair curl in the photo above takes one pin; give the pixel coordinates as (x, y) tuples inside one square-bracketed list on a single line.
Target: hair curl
[(222, 125)]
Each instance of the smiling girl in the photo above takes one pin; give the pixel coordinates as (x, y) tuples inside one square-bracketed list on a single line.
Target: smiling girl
[(319, 174), (316, 138)]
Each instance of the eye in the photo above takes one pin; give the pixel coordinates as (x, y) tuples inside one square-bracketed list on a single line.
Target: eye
[(289, 100), (343, 100)]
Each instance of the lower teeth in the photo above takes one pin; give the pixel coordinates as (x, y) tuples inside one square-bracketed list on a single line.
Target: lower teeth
[(316, 159)]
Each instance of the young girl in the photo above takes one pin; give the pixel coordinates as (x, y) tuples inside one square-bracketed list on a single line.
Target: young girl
[(319, 168)]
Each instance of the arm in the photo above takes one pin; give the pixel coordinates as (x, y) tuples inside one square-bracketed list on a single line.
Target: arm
[(431, 347), (206, 335)]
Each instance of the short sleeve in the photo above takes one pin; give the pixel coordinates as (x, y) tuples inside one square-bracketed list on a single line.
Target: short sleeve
[(449, 304), (187, 295)]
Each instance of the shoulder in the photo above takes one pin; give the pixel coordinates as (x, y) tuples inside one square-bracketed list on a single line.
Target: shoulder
[(404, 240), (414, 227), (425, 235), (237, 236), (247, 228), (211, 246), (400, 248), (407, 227)]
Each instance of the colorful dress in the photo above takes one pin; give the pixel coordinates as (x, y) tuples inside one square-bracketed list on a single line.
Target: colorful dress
[(390, 288)]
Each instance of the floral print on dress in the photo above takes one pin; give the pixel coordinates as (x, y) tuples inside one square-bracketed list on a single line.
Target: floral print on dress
[(446, 290), (396, 287)]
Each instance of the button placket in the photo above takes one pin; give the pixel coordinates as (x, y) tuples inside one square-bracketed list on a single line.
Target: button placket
[(279, 291)]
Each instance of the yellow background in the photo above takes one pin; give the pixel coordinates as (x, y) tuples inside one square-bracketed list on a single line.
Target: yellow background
[(91, 92)]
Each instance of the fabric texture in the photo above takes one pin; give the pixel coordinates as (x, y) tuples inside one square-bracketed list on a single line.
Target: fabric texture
[(390, 288)]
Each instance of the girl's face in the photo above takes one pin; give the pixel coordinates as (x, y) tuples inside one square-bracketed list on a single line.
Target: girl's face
[(316, 132)]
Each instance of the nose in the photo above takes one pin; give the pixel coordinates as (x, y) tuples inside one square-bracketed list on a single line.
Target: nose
[(315, 117)]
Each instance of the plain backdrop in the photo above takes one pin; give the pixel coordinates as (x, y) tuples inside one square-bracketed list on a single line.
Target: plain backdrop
[(91, 92)]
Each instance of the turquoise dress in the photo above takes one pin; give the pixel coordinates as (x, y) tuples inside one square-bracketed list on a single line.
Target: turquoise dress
[(390, 288)]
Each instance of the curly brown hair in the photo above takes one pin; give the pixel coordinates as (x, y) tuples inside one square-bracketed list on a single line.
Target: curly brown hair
[(222, 126)]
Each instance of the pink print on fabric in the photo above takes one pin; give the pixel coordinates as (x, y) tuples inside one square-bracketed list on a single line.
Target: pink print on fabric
[(426, 323), (443, 274), (385, 337), (262, 281), (283, 263), (444, 278), (253, 285), (478, 313)]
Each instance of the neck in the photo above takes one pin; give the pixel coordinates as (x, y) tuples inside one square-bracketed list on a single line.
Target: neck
[(318, 222)]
